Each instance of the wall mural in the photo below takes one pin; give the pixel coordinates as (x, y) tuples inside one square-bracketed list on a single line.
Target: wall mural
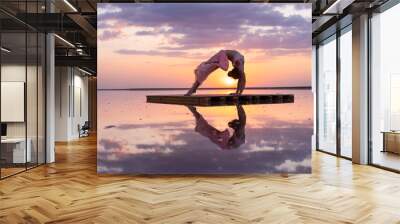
[(206, 88)]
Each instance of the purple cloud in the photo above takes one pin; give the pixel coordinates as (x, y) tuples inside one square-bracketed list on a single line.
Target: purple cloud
[(110, 144), (214, 25), (145, 33), (151, 52), (109, 34), (167, 53), (278, 39)]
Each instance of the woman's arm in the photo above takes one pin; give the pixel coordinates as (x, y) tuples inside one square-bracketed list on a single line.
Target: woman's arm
[(241, 115), (196, 114), (241, 84)]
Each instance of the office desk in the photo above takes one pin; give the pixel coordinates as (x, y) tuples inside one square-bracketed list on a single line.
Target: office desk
[(16, 147), (391, 141)]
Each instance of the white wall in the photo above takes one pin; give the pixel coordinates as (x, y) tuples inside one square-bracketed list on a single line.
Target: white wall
[(62, 82), (12, 101), (14, 73), (70, 84), (81, 83), (314, 91)]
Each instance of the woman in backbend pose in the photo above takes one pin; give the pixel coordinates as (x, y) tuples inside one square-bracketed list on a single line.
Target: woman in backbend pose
[(221, 60)]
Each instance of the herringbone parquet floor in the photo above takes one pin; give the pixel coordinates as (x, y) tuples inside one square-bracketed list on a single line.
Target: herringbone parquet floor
[(70, 191)]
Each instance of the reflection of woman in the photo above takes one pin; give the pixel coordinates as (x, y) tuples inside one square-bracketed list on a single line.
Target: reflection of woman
[(222, 138), (221, 60)]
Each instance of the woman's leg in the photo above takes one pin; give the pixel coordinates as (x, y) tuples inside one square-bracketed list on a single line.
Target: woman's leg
[(192, 90)]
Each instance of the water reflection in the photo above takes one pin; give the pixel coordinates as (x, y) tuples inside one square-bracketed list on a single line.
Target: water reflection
[(136, 137), (222, 138)]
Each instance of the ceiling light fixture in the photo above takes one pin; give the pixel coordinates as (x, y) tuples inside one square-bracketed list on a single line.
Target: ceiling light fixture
[(70, 5), (334, 5), (84, 71), (79, 51), (337, 7), (64, 40), (5, 50)]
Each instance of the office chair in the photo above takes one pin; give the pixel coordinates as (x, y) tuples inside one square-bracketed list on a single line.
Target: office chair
[(84, 130)]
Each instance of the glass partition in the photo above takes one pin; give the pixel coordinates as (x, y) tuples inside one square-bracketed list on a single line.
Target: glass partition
[(22, 78), (346, 92), (327, 95), (13, 105), (385, 89)]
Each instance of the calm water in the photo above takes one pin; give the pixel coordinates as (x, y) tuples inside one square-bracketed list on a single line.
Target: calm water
[(135, 137)]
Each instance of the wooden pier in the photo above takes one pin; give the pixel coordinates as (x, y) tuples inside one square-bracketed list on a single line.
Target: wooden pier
[(221, 100)]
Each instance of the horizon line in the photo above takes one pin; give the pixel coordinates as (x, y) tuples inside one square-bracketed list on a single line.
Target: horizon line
[(207, 88)]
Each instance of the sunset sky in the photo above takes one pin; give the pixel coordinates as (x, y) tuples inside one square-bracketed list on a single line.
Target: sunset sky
[(160, 45)]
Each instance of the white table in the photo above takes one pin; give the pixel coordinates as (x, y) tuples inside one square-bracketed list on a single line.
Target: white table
[(19, 153)]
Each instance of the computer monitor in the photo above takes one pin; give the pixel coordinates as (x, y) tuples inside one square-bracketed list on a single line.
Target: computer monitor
[(3, 129)]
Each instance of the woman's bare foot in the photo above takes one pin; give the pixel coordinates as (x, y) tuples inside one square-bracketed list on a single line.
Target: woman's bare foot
[(192, 90)]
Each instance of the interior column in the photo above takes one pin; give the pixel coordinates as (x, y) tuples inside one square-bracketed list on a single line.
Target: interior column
[(360, 89)]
